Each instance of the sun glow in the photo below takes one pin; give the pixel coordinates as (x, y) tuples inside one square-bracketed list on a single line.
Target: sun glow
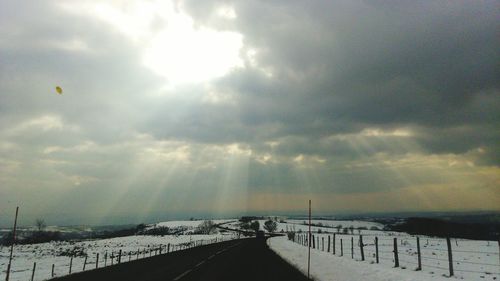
[(171, 44), (182, 54)]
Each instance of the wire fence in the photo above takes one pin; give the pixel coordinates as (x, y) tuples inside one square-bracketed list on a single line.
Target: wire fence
[(452, 257), (46, 267)]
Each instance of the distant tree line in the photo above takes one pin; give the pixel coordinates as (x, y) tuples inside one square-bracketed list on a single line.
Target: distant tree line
[(39, 235), (442, 228)]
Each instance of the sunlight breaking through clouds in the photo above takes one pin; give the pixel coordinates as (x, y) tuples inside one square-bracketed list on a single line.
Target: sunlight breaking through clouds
[(172, 107), (171, 44)]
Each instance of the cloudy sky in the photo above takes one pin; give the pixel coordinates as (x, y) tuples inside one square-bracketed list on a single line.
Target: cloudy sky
[(180, 108)]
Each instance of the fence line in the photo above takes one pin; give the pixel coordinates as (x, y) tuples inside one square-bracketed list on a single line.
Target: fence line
[(410, 254), (116, 257)]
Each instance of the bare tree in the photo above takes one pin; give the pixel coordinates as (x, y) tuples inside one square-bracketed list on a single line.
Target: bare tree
[(40, 224), (338, 227), (270, 226), (206, 227), (255, 226)]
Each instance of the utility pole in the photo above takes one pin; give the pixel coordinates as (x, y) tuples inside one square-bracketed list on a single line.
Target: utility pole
[(309, 244), (12, 245)]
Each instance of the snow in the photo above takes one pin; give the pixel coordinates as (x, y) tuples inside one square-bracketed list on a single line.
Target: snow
[(188, 225), (473, 260), (342, 223), (325, 266), (327, 225), (46, 254)]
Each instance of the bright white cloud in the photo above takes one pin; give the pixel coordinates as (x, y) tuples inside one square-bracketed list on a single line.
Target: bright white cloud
[(182, 54), (43, 123), (227, 12), (170, 43)]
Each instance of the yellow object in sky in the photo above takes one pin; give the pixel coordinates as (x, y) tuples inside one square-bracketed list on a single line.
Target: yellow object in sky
[(59, 90)]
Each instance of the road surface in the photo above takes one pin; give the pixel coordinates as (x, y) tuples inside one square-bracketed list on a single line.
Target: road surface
[(243, 259)]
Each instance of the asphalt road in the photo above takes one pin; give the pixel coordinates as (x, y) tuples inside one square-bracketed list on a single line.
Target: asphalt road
[(244, 259)]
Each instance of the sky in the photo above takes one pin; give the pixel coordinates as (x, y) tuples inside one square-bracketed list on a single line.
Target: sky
[(194, 108)]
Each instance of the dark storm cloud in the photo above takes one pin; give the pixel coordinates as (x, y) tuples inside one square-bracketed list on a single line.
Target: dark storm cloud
[(340, 66)]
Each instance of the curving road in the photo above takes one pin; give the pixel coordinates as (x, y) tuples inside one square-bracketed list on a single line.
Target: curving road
[(243, 259)]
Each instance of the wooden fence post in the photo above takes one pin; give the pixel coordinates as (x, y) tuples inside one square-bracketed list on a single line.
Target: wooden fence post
[(341, 248), (376, 249), (323, 244), (97, 261), (450, 256), (12, 245), (84, 263), (168, 248), (137, 257), (361, 245), (129, 256), (396, 257), (498, 251), (105, 258), (328, 249), (309, 247), (52, 273), (333, 243), (70, 264), (352, 247), (314, 242), (419, 256), (33, 271), (120, 257)]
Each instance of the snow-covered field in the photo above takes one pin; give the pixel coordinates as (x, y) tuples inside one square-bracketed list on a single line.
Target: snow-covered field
[(327, 225), (472, 260), (58, 253), (188, 225)]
